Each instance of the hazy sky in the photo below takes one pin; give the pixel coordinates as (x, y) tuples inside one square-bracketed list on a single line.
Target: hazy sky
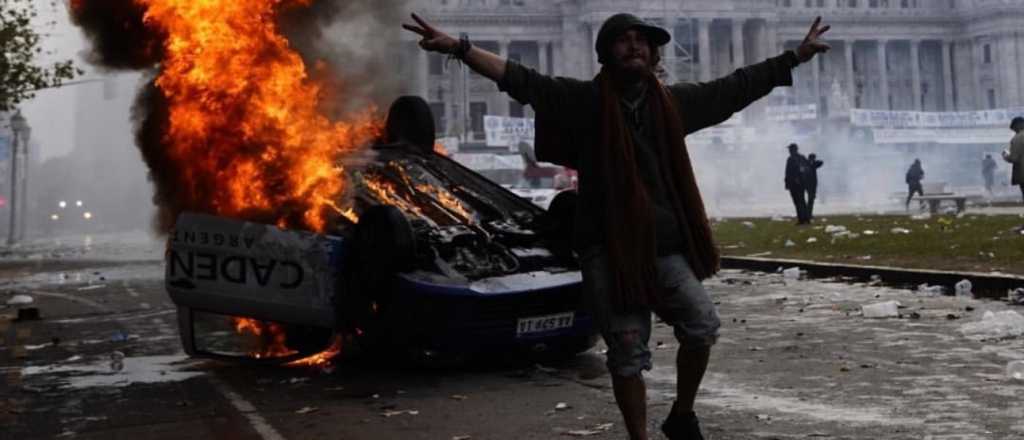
[(51, 113)]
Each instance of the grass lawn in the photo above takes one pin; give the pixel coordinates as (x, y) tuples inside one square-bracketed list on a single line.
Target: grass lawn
[(976, 243)]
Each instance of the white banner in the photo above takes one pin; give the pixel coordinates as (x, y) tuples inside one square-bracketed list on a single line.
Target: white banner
[(942, 136), (911, 119), (780, 113), (490, 161), (504, 131)]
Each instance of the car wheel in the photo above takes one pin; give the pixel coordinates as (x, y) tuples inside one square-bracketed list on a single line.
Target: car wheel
[(411, 121), (561, 218), (382, 245)]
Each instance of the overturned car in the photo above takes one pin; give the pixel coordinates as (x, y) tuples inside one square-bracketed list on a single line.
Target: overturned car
[(437, 261)]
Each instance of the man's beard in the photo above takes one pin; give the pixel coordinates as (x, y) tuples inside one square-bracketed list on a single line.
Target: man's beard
[(630, 74)]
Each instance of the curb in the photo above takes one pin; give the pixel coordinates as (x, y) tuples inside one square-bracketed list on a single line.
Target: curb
[(985, 284)]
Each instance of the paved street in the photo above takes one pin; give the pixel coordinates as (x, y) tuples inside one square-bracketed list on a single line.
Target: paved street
[(795, 360)]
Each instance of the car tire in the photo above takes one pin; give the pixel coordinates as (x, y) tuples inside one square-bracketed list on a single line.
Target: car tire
[(410, 121), (560, 219)]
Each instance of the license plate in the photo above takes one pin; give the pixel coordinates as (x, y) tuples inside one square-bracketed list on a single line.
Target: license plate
[(542, 324)]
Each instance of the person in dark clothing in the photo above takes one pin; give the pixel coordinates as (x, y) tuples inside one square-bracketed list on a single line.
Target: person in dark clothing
[(915, 174), (1015, 153), (988, 172), (811, 182), (796, 182), (641, 231)]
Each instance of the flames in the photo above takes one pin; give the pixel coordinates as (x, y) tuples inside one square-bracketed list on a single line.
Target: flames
[(271, 337), (243, 125)]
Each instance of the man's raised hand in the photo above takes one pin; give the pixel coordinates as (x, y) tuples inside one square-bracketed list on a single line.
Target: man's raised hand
[(432, 39), (812, 44)]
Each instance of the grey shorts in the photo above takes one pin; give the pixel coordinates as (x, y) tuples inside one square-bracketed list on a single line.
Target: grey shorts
[(686, 306)]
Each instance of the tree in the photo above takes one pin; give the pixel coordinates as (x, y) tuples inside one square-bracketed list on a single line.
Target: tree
[(20, 76)]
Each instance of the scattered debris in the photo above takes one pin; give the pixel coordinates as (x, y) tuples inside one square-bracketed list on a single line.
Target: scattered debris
[(458, 397), (888, 309), (307, 410), (20, 300), (789, 243), (812, 240), (999, 325), (833, 229), (963, 289), (92, 287), (899, 231), (870, 232), (749, 225), (1016, 296), (1015, 370), (392, 413), (462, 437), (596, 430), (927, 290), (116, 361), (28, 314), (764, 418), (760, 254), (562, 406), (792, 273), (119, 336)]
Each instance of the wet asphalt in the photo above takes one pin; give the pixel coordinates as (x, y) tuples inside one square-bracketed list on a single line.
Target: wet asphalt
[(795, 360)]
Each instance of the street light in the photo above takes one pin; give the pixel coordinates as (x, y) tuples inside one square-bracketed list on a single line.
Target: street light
[(19, 127)]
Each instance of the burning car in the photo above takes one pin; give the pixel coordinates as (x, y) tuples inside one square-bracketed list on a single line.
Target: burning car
[(431, 257)]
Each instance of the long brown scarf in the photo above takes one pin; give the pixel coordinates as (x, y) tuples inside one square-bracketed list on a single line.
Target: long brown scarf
[(630, 213)]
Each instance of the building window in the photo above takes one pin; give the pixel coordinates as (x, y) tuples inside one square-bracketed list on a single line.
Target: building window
[(991, 98), (787, 3), (437, 109), (873, 3), (852, 3), (477, 110), (988, 54), (515, 109), (821, 3), (904, 4)]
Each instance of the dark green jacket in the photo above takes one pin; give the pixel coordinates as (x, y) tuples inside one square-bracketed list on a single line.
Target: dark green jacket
[(568, 121)]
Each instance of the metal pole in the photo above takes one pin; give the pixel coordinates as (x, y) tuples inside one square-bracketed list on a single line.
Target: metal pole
[(26, 138), (11, 237)]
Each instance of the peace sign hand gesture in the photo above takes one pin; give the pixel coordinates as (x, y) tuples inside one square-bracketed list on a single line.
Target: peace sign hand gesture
[(812, 45), (433, 39)]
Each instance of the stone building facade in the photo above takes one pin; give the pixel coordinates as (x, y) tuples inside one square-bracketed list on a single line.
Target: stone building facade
[(929, 55)]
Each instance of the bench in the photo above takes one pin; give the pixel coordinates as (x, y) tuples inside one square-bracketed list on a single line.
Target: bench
[(937, 192)]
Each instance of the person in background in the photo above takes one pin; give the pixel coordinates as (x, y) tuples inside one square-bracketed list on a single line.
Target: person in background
[(988, 172), (1015, 154), (797, 170), (811, 182), (915, 174)]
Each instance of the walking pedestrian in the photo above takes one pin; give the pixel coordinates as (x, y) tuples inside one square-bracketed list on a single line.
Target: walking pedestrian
[(641, 230), (988, 172), (812, 182), (915, 174), (796, 182)]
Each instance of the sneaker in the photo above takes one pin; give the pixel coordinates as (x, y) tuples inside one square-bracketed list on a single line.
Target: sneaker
[(685, 427)]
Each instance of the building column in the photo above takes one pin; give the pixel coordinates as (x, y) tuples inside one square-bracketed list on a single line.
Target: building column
[(883, 72), (497, 103), (915, 73), (980, 93), (542, 57), (947, 75), (1007, 63), (851, 82), (422, 73), (737, 43), (771, 40), (815, 66), (704, 47)]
